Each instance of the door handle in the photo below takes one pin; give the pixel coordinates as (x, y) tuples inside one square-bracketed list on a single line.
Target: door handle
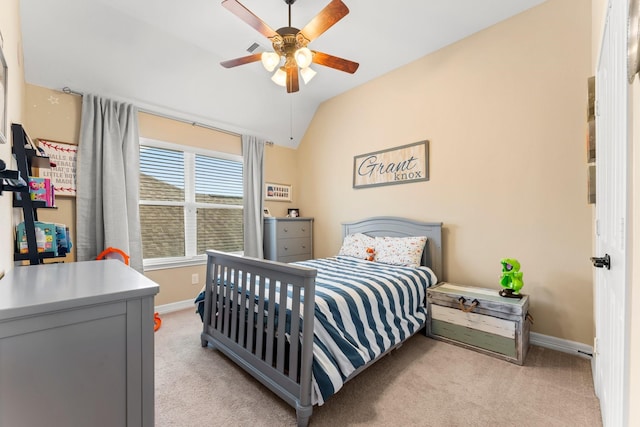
[(601, 262)]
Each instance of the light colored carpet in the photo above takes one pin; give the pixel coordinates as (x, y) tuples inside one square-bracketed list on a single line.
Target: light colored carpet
[(424, 383)]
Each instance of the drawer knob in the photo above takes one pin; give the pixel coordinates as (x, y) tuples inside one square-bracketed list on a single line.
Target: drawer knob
[(303, 229), (286, 248), (285, 229), (469, 309)]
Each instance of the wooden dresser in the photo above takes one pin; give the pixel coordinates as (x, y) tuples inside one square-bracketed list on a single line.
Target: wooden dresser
[(76, 345), (288, 239)]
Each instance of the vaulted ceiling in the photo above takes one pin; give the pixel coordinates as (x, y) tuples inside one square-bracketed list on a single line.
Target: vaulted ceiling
[(164, 55)]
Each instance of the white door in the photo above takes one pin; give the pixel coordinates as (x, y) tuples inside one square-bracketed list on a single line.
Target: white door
[(611, 311)]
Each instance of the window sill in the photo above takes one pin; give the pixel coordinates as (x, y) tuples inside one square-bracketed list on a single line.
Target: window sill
[(165, 263)]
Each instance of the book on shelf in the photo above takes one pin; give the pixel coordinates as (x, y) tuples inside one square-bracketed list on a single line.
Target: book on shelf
[(41, 189)]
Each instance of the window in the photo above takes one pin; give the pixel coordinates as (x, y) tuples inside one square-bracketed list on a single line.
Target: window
[(190, 201)]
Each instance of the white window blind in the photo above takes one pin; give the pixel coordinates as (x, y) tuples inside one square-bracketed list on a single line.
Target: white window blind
[(190, 201)]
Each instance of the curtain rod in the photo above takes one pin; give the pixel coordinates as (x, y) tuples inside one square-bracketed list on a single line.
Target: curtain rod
[(70, 91)]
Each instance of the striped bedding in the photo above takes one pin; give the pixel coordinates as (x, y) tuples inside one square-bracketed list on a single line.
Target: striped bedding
[(362, 309)]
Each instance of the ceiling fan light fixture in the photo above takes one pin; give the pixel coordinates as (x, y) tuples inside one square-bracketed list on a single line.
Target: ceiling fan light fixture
[(280, 77), (270, 60), (303, 57), (307, 74), (290, 57)]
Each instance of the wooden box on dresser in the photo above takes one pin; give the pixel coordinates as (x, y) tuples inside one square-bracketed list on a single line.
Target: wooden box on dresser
[(76, 346), (479, 319), (288, 239)]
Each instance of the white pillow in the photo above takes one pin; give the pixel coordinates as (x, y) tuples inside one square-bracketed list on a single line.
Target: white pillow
[(355, 245), (405, 251)]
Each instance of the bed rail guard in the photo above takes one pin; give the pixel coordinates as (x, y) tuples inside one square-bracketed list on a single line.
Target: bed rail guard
[(243, 319)]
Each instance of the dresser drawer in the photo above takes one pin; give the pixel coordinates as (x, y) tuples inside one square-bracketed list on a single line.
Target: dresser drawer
[(295, 258), (297, 246), (486, 332), (290, 229)]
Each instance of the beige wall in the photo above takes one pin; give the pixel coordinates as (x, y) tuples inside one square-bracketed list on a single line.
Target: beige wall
[(281, 167), (12, 48), (505, 113), (55, 116)]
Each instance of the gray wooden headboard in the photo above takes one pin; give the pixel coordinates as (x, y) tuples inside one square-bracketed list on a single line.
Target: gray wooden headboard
[(402, 227)]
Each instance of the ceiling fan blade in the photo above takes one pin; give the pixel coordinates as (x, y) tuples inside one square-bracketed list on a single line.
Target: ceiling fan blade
[(241, 61), (332, 13), (292, 79), (335, 62), (235, 7)]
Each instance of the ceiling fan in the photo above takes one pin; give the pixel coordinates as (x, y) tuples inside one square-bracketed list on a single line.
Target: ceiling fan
[(290, 44)]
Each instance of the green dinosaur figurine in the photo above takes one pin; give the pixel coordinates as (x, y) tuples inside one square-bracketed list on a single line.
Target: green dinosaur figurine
[(511, 279)]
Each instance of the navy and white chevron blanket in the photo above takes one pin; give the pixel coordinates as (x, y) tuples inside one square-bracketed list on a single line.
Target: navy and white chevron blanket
[(362, 309)]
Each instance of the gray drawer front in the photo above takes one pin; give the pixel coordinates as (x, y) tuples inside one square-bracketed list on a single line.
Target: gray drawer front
[(295, 258), (298, 246), (290, 229)]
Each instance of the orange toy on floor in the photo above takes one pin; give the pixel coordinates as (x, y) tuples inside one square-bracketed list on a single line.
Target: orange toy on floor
[(157, 322)]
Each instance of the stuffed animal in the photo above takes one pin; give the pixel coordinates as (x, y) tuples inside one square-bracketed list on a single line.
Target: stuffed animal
[(371, 254), (511, 279)]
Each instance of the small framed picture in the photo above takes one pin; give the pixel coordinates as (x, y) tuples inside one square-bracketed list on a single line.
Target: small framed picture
[(277, 192), (591, 184), (293, 213), (266, 212)]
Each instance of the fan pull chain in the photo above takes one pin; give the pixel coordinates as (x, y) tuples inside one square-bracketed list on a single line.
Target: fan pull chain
[(291, 118)]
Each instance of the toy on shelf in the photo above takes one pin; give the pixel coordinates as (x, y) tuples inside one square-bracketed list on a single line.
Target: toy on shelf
[(511, 279)]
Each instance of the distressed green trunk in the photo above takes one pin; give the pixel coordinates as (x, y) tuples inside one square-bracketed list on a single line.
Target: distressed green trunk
[(475, 338)]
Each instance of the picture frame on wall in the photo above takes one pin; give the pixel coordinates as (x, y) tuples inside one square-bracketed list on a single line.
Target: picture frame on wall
[(591, 141), (63, 176), (277, 192), (3, 98), (398, 165), (591, 184), (591, 120)]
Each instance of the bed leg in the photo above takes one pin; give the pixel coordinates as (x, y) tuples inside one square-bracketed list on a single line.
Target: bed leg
[(203, 341), (303, 413)]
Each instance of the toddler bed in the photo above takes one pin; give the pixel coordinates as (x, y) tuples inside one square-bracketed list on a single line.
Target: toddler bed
[(253, 310)]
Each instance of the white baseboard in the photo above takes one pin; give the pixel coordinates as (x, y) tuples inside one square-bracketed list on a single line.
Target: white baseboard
[(175, 306), (559, 344)]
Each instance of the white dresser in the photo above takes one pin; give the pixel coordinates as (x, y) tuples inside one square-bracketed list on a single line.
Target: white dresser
[(288, 239), (76, 345)]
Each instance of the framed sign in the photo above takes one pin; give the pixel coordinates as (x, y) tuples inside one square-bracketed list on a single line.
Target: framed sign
[(63, 176), (591, 184), (591, 120), (399, 165), (277, 192)]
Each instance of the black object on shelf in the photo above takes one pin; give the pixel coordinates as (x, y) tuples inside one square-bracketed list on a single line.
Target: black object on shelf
[(11, 180), (27, 158)]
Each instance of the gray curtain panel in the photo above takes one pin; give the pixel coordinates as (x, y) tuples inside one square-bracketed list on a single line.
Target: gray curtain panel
[(108, 170), (253, 186)]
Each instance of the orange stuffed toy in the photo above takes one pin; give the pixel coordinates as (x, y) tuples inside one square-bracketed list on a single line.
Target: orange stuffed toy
[(371, 254)]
